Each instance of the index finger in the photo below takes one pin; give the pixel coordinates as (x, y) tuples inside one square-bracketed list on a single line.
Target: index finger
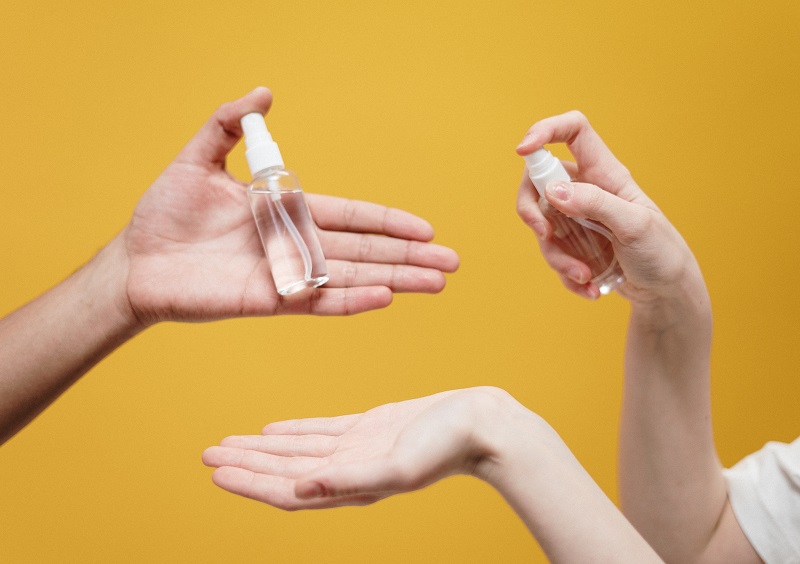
[(341, 214), (596, 162), (332, 426)]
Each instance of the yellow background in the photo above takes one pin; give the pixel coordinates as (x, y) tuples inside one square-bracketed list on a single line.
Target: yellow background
[(415, 104)]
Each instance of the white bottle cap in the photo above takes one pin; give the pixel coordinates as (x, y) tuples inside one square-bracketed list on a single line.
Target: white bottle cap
[(543, 167), (262, 152), (538, 157)]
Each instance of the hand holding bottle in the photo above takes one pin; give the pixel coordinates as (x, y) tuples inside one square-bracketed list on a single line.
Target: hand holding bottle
[(194, 253), (654, 258), (191, 252)]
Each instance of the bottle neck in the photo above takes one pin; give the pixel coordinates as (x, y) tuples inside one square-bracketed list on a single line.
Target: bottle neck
[(263, 156), (543, 167), (268, 170)]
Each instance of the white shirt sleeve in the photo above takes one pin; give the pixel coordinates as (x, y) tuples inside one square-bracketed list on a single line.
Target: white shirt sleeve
[(764, 491)]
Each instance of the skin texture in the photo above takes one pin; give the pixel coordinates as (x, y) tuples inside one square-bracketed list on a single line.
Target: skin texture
[(191, 252), (672, 488), (401, 447), (671, 483)]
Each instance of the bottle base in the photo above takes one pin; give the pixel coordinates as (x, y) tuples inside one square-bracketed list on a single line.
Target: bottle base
[(301, 285), (609, 281)]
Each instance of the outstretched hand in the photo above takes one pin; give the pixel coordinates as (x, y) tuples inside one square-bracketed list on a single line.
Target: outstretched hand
[(405, 446), (358, 459), (191, 252), (655, 259), (194, 253)]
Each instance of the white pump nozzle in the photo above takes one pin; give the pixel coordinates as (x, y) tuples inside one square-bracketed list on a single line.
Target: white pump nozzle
[(543, 167), (262, 152)]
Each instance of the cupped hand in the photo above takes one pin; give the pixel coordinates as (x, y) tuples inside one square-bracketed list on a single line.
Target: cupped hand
[(193, 252), (359, 459), (655, 259)]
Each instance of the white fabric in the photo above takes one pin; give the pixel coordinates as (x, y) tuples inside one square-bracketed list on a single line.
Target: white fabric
[(764, 491)]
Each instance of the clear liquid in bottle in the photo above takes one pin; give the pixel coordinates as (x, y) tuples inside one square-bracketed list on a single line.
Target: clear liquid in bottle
[(290, 240), (588, 244), (283, 220), (587, 241)]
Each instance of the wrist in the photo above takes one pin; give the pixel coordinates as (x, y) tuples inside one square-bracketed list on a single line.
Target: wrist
[(669, 341), (507, 436), (686, 303), (104, 282)]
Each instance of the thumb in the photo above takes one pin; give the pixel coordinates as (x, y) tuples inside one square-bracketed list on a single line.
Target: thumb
[(350, 479), (222, 131), (625, 219)]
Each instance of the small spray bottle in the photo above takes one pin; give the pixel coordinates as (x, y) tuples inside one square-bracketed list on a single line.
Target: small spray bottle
[(283, 219), (584, 239)]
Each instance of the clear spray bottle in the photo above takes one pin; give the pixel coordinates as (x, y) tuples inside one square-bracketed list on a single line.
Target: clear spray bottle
[(584, 239), (283, 219)]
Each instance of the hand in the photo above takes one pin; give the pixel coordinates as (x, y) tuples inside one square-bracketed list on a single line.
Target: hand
[(360, 459), (405, 446), (654, 257), (193, 252)]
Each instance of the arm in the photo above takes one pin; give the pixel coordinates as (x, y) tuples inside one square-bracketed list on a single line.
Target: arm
[(48, 344), (405, 446), (671, 483), (191, 253)]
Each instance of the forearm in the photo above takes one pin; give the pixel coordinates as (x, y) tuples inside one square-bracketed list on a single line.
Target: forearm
[(48, 344), (562, 506), (671, 485)]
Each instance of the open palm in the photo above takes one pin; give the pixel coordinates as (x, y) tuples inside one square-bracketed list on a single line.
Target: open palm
[(194, 252), (353, 459)]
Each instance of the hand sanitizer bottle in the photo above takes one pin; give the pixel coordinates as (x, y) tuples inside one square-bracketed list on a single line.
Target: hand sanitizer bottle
[(283, 219), (584, 239)]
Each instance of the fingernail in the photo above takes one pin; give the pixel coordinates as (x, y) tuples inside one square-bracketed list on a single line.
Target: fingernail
[(576, 274), (560, 190), (524, 141), (540, 229)]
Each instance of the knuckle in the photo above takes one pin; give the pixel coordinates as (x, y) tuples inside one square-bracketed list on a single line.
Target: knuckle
[(578, 117), (350, 273), (637, 228), (622, 176), (385, 220), (315, 301), (394, 278), (364, 248), (348, 303), (410, 252), (349, 213), (223, 110), (527, 213)]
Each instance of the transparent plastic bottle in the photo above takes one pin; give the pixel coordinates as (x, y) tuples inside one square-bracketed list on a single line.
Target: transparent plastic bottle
[(284, 222), (584, 239)]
